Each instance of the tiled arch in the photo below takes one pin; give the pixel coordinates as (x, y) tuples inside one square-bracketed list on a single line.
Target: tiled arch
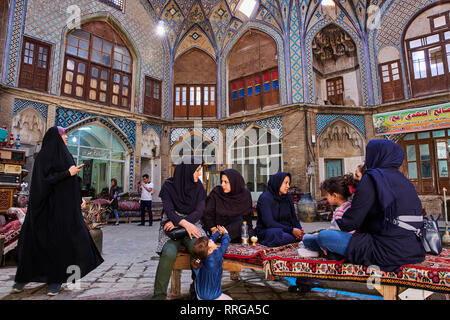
[(277, 37), (356, 39)]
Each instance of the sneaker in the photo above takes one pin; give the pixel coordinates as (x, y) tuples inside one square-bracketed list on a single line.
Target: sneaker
[(140, 224), (18, 287), (306, 253), (53, 289)]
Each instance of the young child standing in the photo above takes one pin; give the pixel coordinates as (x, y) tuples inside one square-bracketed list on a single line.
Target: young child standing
[(207, 264), (338, 191)]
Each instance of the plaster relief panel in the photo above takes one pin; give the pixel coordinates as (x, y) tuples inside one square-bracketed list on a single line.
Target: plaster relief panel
[(29, 125)]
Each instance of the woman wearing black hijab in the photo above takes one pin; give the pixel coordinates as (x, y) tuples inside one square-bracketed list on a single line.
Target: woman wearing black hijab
[(183, 198), (54, 235), (277, 222), (229, 205), (382, 195)]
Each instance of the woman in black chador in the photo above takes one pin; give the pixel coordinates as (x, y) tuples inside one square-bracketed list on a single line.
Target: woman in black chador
[(54, 235)]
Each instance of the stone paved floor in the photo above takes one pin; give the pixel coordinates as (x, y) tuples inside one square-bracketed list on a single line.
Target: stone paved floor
[(130, 266)]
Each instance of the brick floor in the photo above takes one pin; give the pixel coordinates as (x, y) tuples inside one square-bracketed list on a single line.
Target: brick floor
[(130, 266)]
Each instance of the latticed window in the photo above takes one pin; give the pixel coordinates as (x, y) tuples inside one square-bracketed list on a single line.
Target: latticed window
[(97, 66), (118, 4)]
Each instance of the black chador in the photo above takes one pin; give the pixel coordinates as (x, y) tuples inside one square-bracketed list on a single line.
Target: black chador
[(54, 235)]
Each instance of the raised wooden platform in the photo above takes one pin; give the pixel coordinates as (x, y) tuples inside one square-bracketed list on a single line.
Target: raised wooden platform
[(183, 262)]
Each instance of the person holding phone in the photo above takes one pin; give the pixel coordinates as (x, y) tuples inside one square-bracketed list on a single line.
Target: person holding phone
[(54, 235)]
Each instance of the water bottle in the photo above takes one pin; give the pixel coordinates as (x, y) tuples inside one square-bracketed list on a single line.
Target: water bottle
[(244, 233)]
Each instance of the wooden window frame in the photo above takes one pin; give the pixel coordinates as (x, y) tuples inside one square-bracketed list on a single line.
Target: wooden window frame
[(447, 20), (254, 101), (199, 107), (111, 96), (415, 83), (381, 78), (32, 69), (334, 80), (151, 107)]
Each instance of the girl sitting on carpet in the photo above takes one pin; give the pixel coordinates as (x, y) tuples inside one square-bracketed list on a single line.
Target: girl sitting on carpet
[(338, 190), (207, 264)]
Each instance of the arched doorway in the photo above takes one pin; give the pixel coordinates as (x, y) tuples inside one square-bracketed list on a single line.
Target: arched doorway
[(103, 155), (195, 78)]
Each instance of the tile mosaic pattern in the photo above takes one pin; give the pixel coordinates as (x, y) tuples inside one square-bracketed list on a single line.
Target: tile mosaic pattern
[(20, 104), (147, 126), (219, 21), (323, 120), (274, 125), (208, 132), (123, 127), (296, 56), (15, 41)]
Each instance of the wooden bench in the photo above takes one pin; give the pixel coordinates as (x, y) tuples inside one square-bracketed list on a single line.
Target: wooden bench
[(183, 262)]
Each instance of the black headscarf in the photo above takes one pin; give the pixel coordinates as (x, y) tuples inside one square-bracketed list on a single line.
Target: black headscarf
[(238, 202), (285, 200), (382, 155), (181, 188), (274, 185), (54, 234)]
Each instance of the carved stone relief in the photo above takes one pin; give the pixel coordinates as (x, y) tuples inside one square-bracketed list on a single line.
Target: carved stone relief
[(30, 125), (341, 140), (151, 145)]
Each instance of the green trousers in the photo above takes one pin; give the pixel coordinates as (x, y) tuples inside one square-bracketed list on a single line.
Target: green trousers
[(165, 265)]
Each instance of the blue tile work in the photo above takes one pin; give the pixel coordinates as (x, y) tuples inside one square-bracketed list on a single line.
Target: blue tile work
[(14, 41), (208, 132), (20, 104), (128, 127), (274, 125), (156, 127), (323, 120), (296, 56), (68, 118)]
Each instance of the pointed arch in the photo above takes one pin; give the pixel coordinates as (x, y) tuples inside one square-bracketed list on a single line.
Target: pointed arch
[(311, 34), (277, 37)]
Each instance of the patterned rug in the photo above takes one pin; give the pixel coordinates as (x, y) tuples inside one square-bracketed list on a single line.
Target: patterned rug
[(433, 274)]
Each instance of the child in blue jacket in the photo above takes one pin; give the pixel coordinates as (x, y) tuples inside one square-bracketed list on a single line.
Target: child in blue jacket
[(207, 264)]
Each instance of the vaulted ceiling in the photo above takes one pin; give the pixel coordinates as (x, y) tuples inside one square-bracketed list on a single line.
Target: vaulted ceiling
[(220, 20)]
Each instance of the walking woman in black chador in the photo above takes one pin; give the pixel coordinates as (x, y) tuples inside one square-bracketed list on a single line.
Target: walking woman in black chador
[(54, 235)]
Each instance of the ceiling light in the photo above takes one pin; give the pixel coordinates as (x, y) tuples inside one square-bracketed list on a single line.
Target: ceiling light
[(160, 30), (247, 7), (328, 3)]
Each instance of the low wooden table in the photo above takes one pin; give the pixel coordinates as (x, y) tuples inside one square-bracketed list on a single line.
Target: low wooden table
[(183, 262)]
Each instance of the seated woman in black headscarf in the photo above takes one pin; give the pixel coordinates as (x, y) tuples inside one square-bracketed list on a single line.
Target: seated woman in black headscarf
[(229, 205), (183, 198), (54, 235), (277, 222), (382, 196)]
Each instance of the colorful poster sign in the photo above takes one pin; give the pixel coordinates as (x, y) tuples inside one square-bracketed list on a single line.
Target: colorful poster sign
[(411, 120)]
